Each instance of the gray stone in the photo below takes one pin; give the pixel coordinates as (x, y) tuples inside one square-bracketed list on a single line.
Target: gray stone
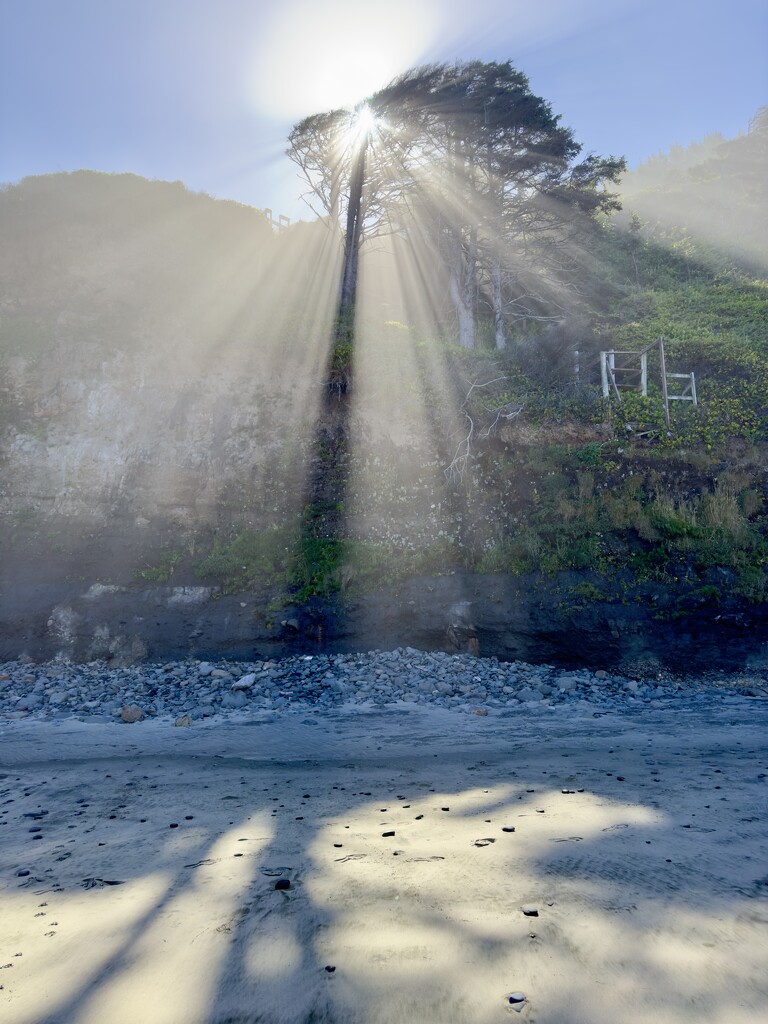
[(323, 681), (244, 682), (131, 713), (568, 683), (30, 702), (237, 699)]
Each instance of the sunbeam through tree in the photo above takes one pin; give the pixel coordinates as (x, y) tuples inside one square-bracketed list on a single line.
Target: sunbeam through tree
[(466, 160)]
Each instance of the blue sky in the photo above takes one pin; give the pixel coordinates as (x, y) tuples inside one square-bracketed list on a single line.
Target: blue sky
[(205, 91)]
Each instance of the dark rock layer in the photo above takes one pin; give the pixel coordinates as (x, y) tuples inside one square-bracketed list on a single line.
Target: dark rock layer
[(532, 618)]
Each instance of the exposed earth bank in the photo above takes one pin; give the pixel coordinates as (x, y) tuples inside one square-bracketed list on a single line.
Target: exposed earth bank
[(567, 620)]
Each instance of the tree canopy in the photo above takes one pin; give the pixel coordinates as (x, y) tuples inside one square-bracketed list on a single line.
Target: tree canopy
[(480, 166)]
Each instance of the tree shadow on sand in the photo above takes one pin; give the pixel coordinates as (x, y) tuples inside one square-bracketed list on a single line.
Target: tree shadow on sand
[(424, 925)]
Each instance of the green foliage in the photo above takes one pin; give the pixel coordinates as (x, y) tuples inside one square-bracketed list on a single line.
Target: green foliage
[(590, 454), (604, 520), (253, 557), (751, 582), (163, 570), (518, 554), (548, 200), (288, 559), (708, 310), (670, 520), (589, 592)]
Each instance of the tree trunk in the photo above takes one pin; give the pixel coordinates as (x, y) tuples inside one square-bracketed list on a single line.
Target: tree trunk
[(464, 313), (462, 284), (353, 234), (498, 314), (497, 228)]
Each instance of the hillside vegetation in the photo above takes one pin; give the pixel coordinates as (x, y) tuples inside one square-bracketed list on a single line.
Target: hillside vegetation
[(164, 356)]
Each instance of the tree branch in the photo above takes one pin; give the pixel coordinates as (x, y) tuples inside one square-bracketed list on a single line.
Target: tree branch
[(506, 411)]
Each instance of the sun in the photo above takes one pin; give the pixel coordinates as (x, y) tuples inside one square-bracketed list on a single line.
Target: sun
[(361, 126), (316, 57)]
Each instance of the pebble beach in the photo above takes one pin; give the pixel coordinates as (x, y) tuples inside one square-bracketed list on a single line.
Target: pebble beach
[(199, 690)]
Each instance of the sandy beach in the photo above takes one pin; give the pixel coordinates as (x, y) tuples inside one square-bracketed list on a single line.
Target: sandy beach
[(392, 865)]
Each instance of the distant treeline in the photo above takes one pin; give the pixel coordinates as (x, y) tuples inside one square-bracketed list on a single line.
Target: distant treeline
[(713, 192)]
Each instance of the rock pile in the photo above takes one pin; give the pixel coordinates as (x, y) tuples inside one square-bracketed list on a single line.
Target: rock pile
[(193, 690)]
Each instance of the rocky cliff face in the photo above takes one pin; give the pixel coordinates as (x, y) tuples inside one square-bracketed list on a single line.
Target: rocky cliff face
[(121, 439)]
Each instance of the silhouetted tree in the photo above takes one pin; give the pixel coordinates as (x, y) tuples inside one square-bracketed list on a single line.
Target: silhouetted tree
[(475, 160)]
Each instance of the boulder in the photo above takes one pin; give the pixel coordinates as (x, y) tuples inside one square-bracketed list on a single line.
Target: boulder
[(131, 713)]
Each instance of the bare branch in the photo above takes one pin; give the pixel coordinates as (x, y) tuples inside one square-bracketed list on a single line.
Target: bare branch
[(506, 411)]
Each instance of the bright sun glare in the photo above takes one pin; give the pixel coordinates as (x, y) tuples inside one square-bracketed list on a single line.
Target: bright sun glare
[(317, 57), (362, 125)]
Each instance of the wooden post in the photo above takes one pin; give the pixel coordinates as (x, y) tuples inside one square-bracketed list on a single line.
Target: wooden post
[(612, 373), (664, 392)]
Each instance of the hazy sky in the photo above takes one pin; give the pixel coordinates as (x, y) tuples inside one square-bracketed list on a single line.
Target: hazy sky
[(205, 91)]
